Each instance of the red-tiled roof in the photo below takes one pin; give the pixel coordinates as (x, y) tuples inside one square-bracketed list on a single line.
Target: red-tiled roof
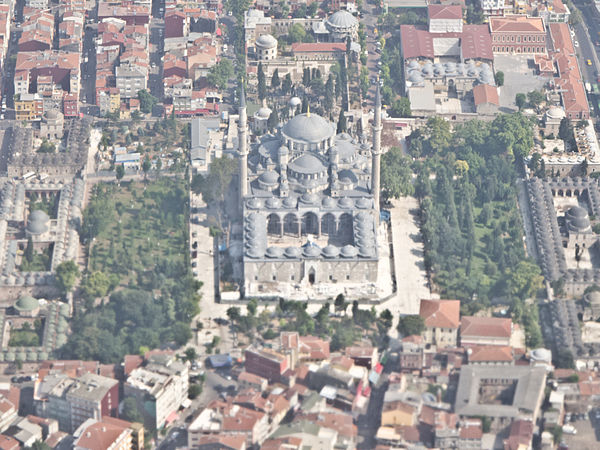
[(484, 93), (475, 42), (100, 436), (8, 443), (218, 441), (491, 353), (517, 24), (445, 12), (521, 433), (440, 313), (485, 326), (471, 430), (322, 47)]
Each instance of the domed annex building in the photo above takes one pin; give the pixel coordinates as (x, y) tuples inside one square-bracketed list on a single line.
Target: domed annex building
[(310, 207)]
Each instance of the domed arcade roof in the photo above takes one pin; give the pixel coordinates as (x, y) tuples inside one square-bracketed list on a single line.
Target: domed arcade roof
[(555, 112), (310, 128)]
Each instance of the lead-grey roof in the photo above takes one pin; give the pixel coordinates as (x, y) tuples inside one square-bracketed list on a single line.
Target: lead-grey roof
[(266, 41), (307, 164), (342, 19), (310, 128), (530, 386)]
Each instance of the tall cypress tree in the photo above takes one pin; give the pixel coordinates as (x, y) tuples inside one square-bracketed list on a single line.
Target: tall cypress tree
[(262, 84)]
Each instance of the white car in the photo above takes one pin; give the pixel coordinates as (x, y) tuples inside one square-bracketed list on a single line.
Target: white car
[(576, 43)]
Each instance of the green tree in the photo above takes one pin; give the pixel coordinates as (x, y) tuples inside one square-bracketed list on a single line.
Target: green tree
[(296, 33), (96, 285), (146, 166), (233, 312), (28, 253), (220, 73), (499, 78), (386, 318), (251, 306), (275, 81), (329, 94), (194, 390), (410, 325), (396, 174), (214, 185), (190, 354), (400, 108), (120, 172), (262, 84), (306, 77), (67, 273), (286, 85), (273, 120), (340, 303), (535, 98), (341, 124), (130, 411), (524, 279), (182, 333), (147, 101), (520, 100), (46, 147)]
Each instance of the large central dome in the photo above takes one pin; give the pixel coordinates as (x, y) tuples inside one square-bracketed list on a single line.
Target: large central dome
[(309, 128)]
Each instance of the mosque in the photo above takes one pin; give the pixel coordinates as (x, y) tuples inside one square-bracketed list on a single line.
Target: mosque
[(309, 200)]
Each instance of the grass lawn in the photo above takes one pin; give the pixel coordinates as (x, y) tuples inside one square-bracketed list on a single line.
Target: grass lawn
[(148, 228), (40, 262), (26, 336)]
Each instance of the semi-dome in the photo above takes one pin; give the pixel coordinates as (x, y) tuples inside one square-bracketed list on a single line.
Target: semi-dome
[(342, 19), (307, 164), (37, 222), (555, 112), (266, 41), (255, 203), (269, 177), (310, 128), (309, 198), (26, 303)]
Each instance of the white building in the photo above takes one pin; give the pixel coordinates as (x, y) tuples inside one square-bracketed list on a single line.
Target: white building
[(130, 80), (159, 389), (492, 7)]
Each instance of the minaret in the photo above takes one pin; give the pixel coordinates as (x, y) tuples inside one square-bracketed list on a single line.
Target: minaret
[(376, 151), (243, 145)]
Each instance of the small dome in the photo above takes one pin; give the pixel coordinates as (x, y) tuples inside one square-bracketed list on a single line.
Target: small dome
[(328, 202), (52, 114), (577, 211), (275, 252), (309, 198), (311, 251), (290, 202), (269, 177), (37, 222), (593, 297), (254, 252), (555, 112), (349, 251), (292, 252), (26, 303), (266, 41), (541, 354), (273, 203), (366, 251), (330, 251), (263, 113), (342, 19), (255, 203), (345, 202), (295, 101), (310, 128), (363, 203)]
